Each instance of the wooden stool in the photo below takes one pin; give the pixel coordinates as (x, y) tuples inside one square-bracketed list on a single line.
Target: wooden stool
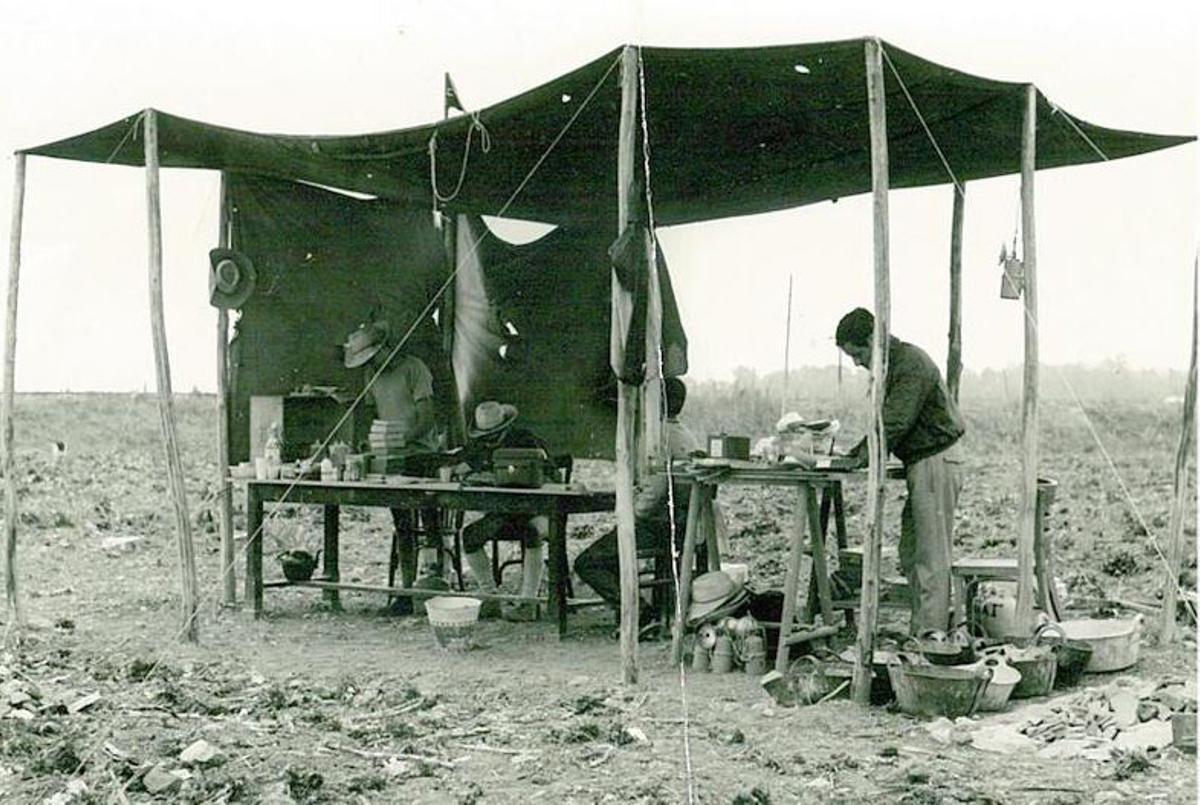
[(970, 571)]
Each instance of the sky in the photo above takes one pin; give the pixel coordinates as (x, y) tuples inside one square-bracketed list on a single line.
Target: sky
[(1116, 242)]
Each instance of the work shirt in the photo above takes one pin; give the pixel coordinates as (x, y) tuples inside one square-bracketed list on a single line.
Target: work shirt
[(919, 417), (406, 382), (652, 497)]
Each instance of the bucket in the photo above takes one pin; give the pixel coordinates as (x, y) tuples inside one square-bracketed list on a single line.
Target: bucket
[(930, 691), (1037, 664), (453, 619), (1000, 687)]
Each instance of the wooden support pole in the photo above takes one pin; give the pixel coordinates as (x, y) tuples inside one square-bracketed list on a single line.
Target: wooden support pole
[(457, 424), (877, 443), (224, 485), (12, 597), (1179, 501), (1026, 534), (622, 312), (166, 407), (954, 352)]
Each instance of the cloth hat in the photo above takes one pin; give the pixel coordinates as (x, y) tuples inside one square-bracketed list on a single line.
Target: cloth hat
[(231, 278), (362, 344), (712, 591), (492, 417)]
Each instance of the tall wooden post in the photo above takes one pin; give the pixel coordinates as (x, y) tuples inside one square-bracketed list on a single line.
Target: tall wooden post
[(10, 373), (224, 486), (622, 313), (954, 352), (876, 439), (1179, 501), (166, 406), (457, 425), (1029, 409)]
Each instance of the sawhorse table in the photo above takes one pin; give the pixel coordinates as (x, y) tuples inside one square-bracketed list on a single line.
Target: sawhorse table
[(555, 501), (812, 519)]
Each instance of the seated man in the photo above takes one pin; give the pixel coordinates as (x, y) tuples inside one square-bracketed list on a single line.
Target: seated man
[(492, 429), (401, 387), (599, 565)]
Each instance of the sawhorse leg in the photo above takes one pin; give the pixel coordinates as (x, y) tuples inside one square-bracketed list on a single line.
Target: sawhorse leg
[(687, 559), (808, 519)]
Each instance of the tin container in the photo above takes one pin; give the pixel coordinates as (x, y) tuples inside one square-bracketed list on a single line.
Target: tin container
[(723, 446)]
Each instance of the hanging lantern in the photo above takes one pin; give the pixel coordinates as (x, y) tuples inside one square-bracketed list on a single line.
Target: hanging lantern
[(1012, 281)]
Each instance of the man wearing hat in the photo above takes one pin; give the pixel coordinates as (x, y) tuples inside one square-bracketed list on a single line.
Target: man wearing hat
[(492, 428), (401, 387), (922, 427), (654, 520)]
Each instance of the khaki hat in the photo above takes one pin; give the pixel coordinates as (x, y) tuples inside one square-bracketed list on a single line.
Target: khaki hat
[(362, 344), (231, 278), (711, 592), (491, 417)]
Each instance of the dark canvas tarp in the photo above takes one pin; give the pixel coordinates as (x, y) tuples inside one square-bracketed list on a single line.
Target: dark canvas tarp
[(326, 261), (532, 328), (731, 132)]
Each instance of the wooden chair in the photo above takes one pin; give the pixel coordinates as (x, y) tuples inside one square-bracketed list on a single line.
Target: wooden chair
[(564, 464)]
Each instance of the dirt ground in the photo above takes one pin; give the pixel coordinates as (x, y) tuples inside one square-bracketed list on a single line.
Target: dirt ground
[(309, 705)]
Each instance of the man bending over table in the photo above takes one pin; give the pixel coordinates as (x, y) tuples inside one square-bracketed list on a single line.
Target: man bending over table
[(922, 426)]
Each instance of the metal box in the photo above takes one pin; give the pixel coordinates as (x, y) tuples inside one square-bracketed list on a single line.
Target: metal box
[(723, 446), (518, 466), (303, 419)]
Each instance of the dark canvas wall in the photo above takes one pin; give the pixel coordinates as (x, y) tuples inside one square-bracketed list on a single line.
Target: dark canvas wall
[(324, 261)]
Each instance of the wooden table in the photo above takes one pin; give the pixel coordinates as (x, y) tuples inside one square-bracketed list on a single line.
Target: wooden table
[(556, 501), (812, 518)]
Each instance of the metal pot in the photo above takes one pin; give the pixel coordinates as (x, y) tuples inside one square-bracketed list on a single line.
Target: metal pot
[(298, 565), (932, 690), (1115, 642)]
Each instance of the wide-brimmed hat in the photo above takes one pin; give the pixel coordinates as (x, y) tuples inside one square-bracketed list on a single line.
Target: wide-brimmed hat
[(711, 592), (491, 417), (362, 344), (231, 278)]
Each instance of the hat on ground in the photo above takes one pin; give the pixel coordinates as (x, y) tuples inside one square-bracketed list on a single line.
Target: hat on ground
[(362, 344), (492, 417), (711, 592), (231, 278)]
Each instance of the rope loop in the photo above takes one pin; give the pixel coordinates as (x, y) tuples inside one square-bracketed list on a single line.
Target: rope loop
[(485, 146)]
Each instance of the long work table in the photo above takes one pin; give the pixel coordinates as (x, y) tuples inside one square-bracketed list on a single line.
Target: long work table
[(555, 501)]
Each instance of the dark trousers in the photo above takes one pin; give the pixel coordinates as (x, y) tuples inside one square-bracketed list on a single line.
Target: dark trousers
[(599, 564), (409, 524)]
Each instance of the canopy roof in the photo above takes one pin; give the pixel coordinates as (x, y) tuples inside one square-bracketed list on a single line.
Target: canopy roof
[(730, 131)]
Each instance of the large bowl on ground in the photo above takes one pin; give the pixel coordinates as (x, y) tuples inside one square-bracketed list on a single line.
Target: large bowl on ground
[(1115, 642), (931, 691), (453, 620)]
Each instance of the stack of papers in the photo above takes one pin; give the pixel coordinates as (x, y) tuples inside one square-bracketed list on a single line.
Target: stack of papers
[(387, 435)]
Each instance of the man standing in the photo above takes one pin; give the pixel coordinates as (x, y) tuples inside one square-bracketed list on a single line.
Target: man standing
[(599, 564), (922, 425)]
